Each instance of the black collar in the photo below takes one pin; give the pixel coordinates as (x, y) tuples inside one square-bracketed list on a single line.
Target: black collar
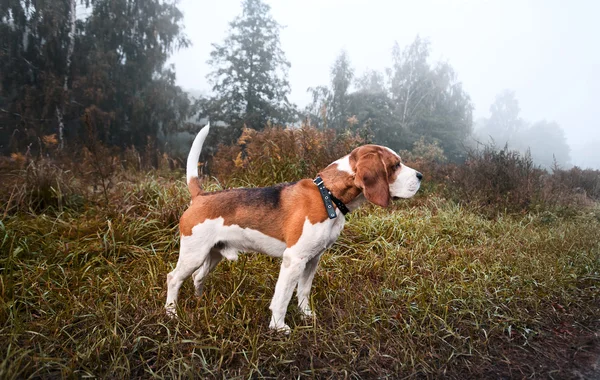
[(328, 197)]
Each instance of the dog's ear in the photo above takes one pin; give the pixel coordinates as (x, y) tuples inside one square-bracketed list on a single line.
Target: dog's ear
[(371, 177)]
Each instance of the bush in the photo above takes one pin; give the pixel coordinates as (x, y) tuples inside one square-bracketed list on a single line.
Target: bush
[(500, 180), (277, 155), (429, 159), (40, 185), (575, 183)]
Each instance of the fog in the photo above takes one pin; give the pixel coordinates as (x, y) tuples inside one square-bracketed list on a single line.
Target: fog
[(545, 51)]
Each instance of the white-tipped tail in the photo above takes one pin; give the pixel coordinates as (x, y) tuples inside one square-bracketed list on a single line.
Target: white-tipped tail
[(194, 155)]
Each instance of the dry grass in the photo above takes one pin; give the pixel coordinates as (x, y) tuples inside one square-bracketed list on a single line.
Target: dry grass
[(277, 155), (429, 288)]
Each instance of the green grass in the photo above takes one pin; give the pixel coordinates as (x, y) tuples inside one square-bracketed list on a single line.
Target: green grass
[(428, 288)]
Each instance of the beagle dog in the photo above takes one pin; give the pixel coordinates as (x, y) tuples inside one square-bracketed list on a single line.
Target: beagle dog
[(295, 221)]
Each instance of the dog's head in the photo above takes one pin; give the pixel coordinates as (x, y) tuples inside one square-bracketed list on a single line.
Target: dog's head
[(382, 176)]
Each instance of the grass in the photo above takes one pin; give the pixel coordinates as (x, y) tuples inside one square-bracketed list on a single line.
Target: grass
[(429, 288)]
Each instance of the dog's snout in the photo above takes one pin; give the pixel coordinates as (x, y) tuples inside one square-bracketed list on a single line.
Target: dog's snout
[(419, 176)]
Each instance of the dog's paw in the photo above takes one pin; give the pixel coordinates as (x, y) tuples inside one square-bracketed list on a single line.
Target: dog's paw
[(171, 311), (280, 328), (306, 313)]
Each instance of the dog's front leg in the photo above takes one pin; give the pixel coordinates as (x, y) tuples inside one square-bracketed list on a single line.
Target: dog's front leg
[(292, 268), (304, 286)]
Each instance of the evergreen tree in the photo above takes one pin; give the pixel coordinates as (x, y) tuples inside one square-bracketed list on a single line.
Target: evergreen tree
[(250, 73)]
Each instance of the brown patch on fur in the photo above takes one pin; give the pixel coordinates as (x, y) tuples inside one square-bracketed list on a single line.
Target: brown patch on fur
[(375, 169), (278, 211), (340, 183), (301, 202), (195, 187)]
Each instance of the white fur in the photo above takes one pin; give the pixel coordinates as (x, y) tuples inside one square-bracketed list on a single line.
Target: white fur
[(200, 253), (343, 164), (392, 152), (212, 240), (298, 268), (192, 159), (406, 184)]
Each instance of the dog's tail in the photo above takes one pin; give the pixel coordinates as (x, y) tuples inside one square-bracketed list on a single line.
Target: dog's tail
[(192, 163)]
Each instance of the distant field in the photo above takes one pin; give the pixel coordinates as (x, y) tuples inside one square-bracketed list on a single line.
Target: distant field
[(428, 288)]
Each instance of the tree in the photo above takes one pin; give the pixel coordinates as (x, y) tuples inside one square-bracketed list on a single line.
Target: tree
[(371, 81), (341, 78), (372, 107), (318, 112), (250, 71), (504, 123), (545, 140), (125, 83), (330, 106), (32, 67), (416, 100), (100, 76), (429, 101), (548, 144)]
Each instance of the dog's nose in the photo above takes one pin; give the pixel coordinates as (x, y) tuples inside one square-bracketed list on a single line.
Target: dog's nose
[(419, 176)]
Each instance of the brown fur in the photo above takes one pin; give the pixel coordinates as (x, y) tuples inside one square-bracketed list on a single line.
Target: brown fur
[(195, 187), (375, 169), (283, 218), (297, 201)]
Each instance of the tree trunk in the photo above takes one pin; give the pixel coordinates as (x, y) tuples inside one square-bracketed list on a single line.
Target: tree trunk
[(60, 112)]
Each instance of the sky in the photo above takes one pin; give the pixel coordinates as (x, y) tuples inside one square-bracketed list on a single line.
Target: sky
[(547, 51)]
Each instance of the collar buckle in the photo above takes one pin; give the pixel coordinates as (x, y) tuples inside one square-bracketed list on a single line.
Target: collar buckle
[(328, 198)]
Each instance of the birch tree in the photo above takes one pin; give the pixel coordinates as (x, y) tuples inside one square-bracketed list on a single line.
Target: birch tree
[(428, 99), (71, 45)]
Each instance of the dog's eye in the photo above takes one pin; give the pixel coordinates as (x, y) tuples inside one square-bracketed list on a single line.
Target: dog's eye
[(397, 166)]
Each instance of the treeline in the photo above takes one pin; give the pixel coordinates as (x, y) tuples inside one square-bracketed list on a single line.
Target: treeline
[(94, 70), (90, 70)]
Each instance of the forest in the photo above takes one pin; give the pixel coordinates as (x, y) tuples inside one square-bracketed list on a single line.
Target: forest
[(100, 75), (491, 270)]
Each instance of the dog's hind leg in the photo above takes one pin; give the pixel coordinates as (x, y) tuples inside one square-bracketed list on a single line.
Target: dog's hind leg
[(209, 264), (191, 257)]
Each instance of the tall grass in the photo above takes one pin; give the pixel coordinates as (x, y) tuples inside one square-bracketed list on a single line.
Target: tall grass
[(431, 287)]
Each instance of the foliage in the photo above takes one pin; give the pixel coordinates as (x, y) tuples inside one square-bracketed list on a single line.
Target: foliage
[(418, 100), (429, 101), (498, 179), (117, 75), (422, 150), (545, 140), (280, 155), (427, 289), (331, 107), (574, 187), (250, 73)]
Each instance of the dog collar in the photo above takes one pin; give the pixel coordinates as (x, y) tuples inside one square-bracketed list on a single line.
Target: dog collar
[(328, 198)]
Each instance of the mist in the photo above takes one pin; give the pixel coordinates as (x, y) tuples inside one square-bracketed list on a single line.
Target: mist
[(543, 51)]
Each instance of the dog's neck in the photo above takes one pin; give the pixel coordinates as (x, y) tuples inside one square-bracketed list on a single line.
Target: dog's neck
[(341, 184)]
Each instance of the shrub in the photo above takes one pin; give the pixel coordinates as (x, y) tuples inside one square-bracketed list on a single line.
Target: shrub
[(578, 181), (500, 180), (40, 185), (280, 155), (429, 159)]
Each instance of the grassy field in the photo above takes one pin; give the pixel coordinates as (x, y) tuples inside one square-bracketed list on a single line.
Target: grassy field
[(428, 288)]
